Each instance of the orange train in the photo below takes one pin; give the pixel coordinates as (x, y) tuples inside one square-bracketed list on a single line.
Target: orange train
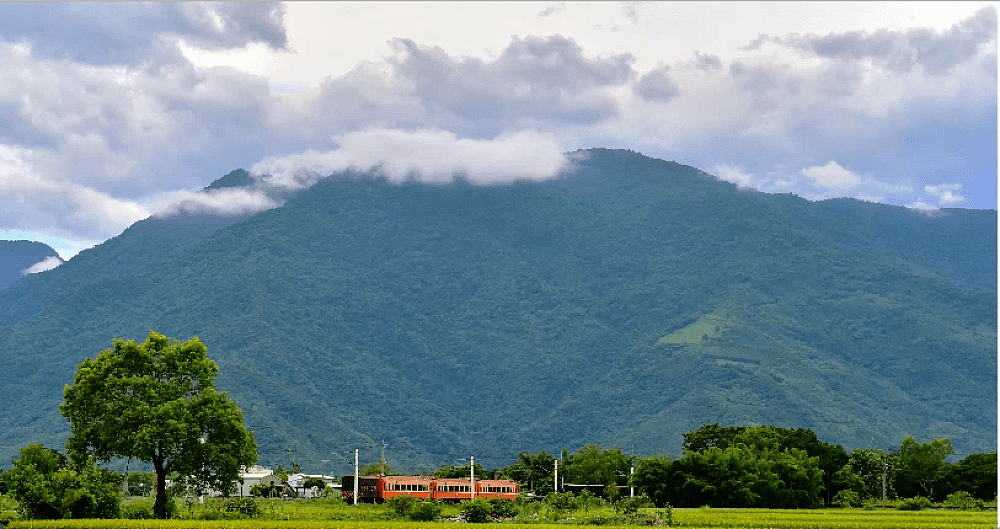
[(377, 489)]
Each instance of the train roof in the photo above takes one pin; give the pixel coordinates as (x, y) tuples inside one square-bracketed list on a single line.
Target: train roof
[(408, 479)]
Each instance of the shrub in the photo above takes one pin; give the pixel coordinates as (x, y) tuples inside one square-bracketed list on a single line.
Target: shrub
[(45, 483), (245, 506), (962, 500), (142, 509), (915, 503), (262, 490), (402, 505), (561, 501), (847, 498), (137, 510), (504, 507), (477, 510), (425, 511), (667, 515), (10, 510), (630, 506)]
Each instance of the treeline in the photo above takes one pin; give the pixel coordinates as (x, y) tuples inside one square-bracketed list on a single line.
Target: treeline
[(766, 467), (721, 466)]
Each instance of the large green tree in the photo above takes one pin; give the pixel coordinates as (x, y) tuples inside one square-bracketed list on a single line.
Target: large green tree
[(592, 464), (976, 474), (534, 471), (156, 401), (653, 478), (921, 466)]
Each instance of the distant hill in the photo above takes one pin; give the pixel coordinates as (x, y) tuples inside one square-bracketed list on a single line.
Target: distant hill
[(625, 303), (17, 257)]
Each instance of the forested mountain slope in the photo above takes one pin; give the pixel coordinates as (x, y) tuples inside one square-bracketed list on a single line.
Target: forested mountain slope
[(625, 303), (17, 257)]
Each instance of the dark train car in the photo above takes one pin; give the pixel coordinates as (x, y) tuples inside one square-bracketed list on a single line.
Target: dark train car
[(368, 489)]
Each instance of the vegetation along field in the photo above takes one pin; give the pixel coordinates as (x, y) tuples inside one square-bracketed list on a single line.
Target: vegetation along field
[(332, 514)]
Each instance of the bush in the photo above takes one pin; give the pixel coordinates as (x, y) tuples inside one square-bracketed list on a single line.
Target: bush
[(847, 498), (561, 501), (402, 505), (245, 506), (962, 500), (630, 506), (262, 490), (916, 503), (10, 510), (504, 507), (138, 510), (142, 509), (425, 511), (45, 483), (477, 511)]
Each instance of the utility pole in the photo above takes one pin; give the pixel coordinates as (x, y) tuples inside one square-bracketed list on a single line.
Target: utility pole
[(555, 484), (356, 491), (381, 469), (631, 481)]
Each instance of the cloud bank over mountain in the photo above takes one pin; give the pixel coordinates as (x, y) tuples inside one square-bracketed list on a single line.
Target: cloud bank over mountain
[(113, 112)]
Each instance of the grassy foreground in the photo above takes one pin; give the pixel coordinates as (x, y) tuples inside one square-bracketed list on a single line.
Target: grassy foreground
[(686, 518)]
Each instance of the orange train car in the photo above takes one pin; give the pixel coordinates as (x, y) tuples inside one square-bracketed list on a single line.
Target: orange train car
[(381, 488), (452, 489), (416, 486), (497, 488)]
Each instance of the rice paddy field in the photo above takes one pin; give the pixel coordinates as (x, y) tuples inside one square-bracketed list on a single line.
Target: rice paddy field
[(685, 518)]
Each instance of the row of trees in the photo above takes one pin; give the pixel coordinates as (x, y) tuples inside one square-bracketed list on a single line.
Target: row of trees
[(764, 466)]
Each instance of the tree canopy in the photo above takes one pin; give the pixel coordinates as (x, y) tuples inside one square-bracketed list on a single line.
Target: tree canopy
[(47, 485), (156, 401)]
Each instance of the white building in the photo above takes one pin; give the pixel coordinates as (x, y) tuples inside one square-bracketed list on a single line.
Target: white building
[(297, 482), (255, 475)]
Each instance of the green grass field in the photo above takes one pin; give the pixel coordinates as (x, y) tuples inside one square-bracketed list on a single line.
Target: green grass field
[(322, 514)]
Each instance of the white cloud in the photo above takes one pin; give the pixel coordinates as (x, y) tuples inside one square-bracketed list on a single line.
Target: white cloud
[(108, 125), (34, 200), (832, 175), (224, 201), (46, 264), (920, 205), (432, 155), (945, 193), (736, 175)]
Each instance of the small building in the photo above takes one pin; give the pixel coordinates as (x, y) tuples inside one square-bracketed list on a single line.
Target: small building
[(297, 482), (255, 475)]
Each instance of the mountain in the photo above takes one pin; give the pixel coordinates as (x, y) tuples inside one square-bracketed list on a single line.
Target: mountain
[(17, 257), (625, 303)]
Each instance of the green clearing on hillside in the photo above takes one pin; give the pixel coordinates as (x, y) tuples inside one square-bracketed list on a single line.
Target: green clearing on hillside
[(709, 325)]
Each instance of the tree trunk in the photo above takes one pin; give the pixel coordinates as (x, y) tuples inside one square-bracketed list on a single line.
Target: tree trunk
[(160, 504)]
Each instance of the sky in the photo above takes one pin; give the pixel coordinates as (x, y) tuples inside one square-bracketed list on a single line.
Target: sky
[(112, 112)]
